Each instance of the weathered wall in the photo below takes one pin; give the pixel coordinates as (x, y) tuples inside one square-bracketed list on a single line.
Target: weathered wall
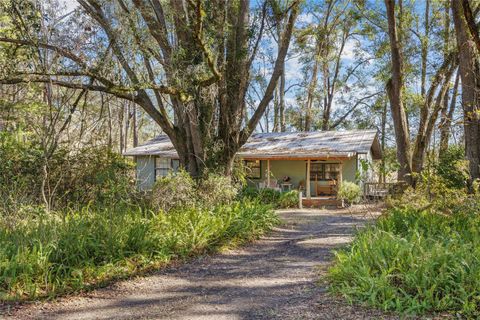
[(145, 172)]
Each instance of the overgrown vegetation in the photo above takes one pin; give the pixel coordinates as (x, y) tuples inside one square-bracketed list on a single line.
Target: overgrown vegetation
[(272, 197), (32, 175), (181, 190), (73, 220), (349, 192), (421, 256), (49, 253)]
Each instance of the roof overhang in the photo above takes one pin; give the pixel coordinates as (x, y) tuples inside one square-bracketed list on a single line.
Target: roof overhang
[(295, 156), (285, 146), (163, 154)]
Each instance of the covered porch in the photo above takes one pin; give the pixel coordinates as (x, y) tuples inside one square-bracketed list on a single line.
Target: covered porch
[(316, 178)]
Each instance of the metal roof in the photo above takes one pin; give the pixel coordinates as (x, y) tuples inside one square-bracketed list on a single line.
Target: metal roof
[(285, 144)]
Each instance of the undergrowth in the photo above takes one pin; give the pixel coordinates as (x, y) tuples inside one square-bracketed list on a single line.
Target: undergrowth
[(415, 261), (48, 253), (278, 199)]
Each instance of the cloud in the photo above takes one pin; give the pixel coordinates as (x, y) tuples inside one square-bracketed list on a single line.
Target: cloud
[(349, 50), (305, 18), (69, 4), (293, 70)]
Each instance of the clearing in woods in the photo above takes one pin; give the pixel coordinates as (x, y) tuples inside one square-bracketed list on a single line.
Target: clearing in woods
[(276, 277)]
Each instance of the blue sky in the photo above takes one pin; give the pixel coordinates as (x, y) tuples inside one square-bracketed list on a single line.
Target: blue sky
[(293, 65)]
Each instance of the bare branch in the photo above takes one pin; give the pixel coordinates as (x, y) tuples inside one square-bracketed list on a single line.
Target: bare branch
[(355, 106), (278, 69)]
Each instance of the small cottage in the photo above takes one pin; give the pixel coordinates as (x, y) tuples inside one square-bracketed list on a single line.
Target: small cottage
[(316, 163)]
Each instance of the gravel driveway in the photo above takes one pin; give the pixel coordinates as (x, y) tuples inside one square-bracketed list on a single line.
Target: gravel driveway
[(276, 277)]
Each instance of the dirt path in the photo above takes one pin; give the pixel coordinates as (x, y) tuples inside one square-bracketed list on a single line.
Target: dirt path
[(274, 278)]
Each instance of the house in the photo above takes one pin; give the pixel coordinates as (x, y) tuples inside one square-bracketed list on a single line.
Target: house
[(314, 162)]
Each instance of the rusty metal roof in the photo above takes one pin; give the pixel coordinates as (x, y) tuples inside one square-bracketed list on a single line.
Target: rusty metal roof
[(285, 144)]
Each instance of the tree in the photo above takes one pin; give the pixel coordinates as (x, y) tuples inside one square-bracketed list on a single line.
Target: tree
[(470, 77), (447, 116), (280, 21), (187, 60), (395, 95), (329, 47)]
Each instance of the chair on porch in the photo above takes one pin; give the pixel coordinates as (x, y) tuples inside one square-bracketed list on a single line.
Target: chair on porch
[(273, 185), (301, 187)]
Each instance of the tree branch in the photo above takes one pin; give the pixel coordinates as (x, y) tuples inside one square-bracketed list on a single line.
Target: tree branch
[(359, 102), (470, 18), (278, 69)]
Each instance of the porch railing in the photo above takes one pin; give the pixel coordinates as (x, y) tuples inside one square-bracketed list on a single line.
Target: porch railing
[(379, 190)]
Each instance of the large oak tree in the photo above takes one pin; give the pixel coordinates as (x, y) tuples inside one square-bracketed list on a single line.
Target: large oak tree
[(185, 62), (469, 52)]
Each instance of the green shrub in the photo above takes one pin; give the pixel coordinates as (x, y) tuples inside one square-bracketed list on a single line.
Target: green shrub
[(271, 197), (179, 190), (174, 191), (434, 193), (97, 175), (50, 253), (349, 192), (29, 176), (452, 167), (414, 261), (215, 190), (289, 199)]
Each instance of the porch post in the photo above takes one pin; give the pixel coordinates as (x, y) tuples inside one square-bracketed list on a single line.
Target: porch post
[(308, 179), (268, 173), (340, 175)]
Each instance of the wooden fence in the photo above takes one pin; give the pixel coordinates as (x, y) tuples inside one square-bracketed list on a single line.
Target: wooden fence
[(376, 190)]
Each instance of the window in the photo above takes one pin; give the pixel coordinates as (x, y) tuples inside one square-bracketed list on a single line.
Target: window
[(324, 171), (165, 165), (254, 170), (331, 171), (316, 171), (175, 165)]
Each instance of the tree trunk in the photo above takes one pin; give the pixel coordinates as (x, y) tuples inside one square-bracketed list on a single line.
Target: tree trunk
[(470, 75), (384, 126), (276, 111), (327, 97), (279, 115), (394, 90), (311, 93), (282, 102), (447, 115), (135, 126), (430, 110), (425, 47)]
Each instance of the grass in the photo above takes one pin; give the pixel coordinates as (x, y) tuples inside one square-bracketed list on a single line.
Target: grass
[(414, 262), (45, 254)]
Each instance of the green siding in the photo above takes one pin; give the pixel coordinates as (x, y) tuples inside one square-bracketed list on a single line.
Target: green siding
[(297, 169), (349, 170)]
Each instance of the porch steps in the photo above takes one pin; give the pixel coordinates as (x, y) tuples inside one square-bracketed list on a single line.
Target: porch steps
[(319, 202)]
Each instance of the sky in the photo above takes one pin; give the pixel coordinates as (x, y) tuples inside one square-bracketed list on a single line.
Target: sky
[(293, 66), (69, 4)]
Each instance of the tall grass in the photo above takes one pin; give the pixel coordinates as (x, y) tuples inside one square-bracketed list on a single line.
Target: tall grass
[(414, 262), (44, 254)]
